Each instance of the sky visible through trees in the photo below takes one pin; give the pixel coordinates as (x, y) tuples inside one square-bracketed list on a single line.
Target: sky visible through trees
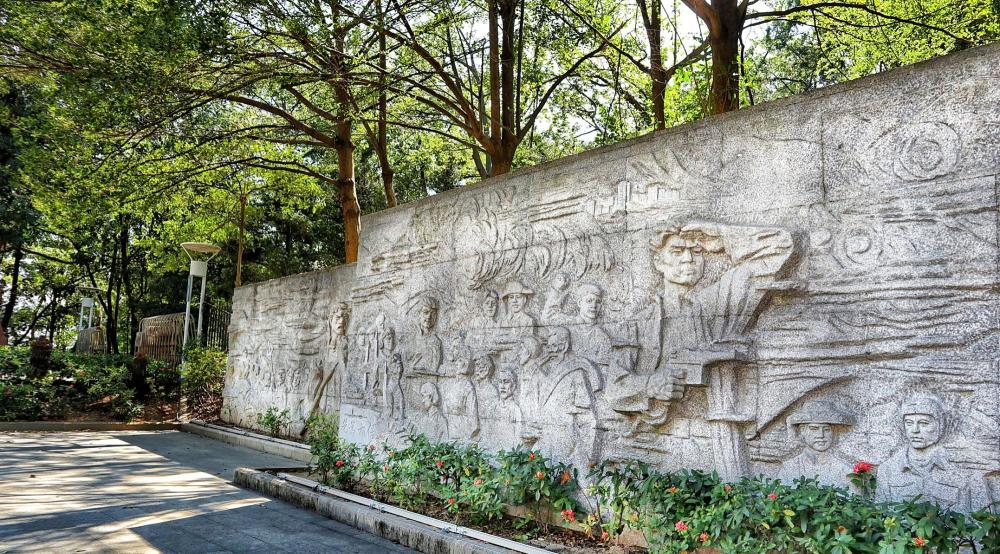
[(270, 126)]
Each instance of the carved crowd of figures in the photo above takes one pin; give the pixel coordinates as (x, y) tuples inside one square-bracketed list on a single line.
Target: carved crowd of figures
[(547, 369)]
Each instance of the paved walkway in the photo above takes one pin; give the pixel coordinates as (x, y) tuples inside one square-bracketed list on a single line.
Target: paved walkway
[(162, 491)]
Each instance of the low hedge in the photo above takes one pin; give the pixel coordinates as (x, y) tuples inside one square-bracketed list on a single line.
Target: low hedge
[(679, 511)]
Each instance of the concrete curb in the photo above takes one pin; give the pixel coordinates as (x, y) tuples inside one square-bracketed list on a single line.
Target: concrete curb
[(388, 526), (238, 437), (85, 426)]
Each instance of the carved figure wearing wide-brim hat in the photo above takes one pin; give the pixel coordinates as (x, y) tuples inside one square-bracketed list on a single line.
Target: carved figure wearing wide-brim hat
[(817, 425), (516, 287), (821, 411)]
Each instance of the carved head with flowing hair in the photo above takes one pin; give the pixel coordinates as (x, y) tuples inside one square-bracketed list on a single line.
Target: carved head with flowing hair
[(679, 253)]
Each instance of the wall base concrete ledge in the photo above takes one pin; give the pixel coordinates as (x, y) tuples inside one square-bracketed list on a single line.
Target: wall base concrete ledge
[(238, 437), (401, 526)]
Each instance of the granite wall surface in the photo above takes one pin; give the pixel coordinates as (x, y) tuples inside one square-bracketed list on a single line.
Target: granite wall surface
[(782, 290)]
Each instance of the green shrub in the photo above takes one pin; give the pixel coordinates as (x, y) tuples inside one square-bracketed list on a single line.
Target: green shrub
[(204, 371), (686, 510), (73, 383), (273, 420), (676, 511)]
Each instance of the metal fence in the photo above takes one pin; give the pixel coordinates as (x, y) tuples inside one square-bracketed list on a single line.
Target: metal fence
[(161, 337), (90, 341), (215, 327)]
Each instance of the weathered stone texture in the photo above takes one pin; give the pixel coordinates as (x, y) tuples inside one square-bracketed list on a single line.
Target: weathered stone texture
[(782, 290), (287, 347)]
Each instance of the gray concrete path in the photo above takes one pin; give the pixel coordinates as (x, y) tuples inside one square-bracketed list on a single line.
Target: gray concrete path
[(159, 491)]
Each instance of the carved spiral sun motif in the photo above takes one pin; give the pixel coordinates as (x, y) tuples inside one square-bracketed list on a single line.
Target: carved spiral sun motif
[(860, 246), (926, 150)]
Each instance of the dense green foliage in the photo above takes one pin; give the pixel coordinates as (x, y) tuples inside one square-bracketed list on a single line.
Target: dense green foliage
[(76, 385), (469, 483), (204, 374), (129, 126), (676, 511), (111, 386)]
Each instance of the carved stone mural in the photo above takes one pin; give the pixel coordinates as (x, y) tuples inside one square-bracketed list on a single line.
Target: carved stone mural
[(786, 290)]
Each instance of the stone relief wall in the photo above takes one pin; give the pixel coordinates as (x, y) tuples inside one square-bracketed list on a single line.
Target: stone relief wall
[(784, 290), (288, 347)]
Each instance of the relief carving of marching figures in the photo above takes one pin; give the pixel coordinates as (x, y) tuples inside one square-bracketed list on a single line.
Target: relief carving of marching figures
[(628, 346)]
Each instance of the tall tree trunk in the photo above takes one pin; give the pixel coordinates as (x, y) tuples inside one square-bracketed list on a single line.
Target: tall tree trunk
[(651, 10), (725, 41), (496, 131), (382, 136), (110, 317), (15, 282), (346, 191), (241, 239), (504, 157)]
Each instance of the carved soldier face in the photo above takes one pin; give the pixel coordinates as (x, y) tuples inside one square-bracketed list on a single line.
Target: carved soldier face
[(428, 317), (389, 340), (817, 436), (922, 430), (516, 302), (484, 367), (339, 322), (557, 342), (590, 307), (682, 261), (429, 396), (490, 304), (507, 383)]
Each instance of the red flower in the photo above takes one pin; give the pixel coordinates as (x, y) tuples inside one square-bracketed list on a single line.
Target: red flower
[(703, 537), (531, 456), (339, 463), (863, 467), (565, 478), (451, 501), (919, 541), (672, 490), (477, 482), (728, 488), (772, 496), (385, 467), (569, 515), (605, 536), (681, 526), (841, 529), (539, 475), (439, 463)]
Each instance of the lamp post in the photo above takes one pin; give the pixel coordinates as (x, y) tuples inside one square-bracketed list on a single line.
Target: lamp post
[(87, 308), (200, 254)]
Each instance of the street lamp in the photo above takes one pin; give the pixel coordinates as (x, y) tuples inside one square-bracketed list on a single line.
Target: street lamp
[(200, 253), (87, 307)]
